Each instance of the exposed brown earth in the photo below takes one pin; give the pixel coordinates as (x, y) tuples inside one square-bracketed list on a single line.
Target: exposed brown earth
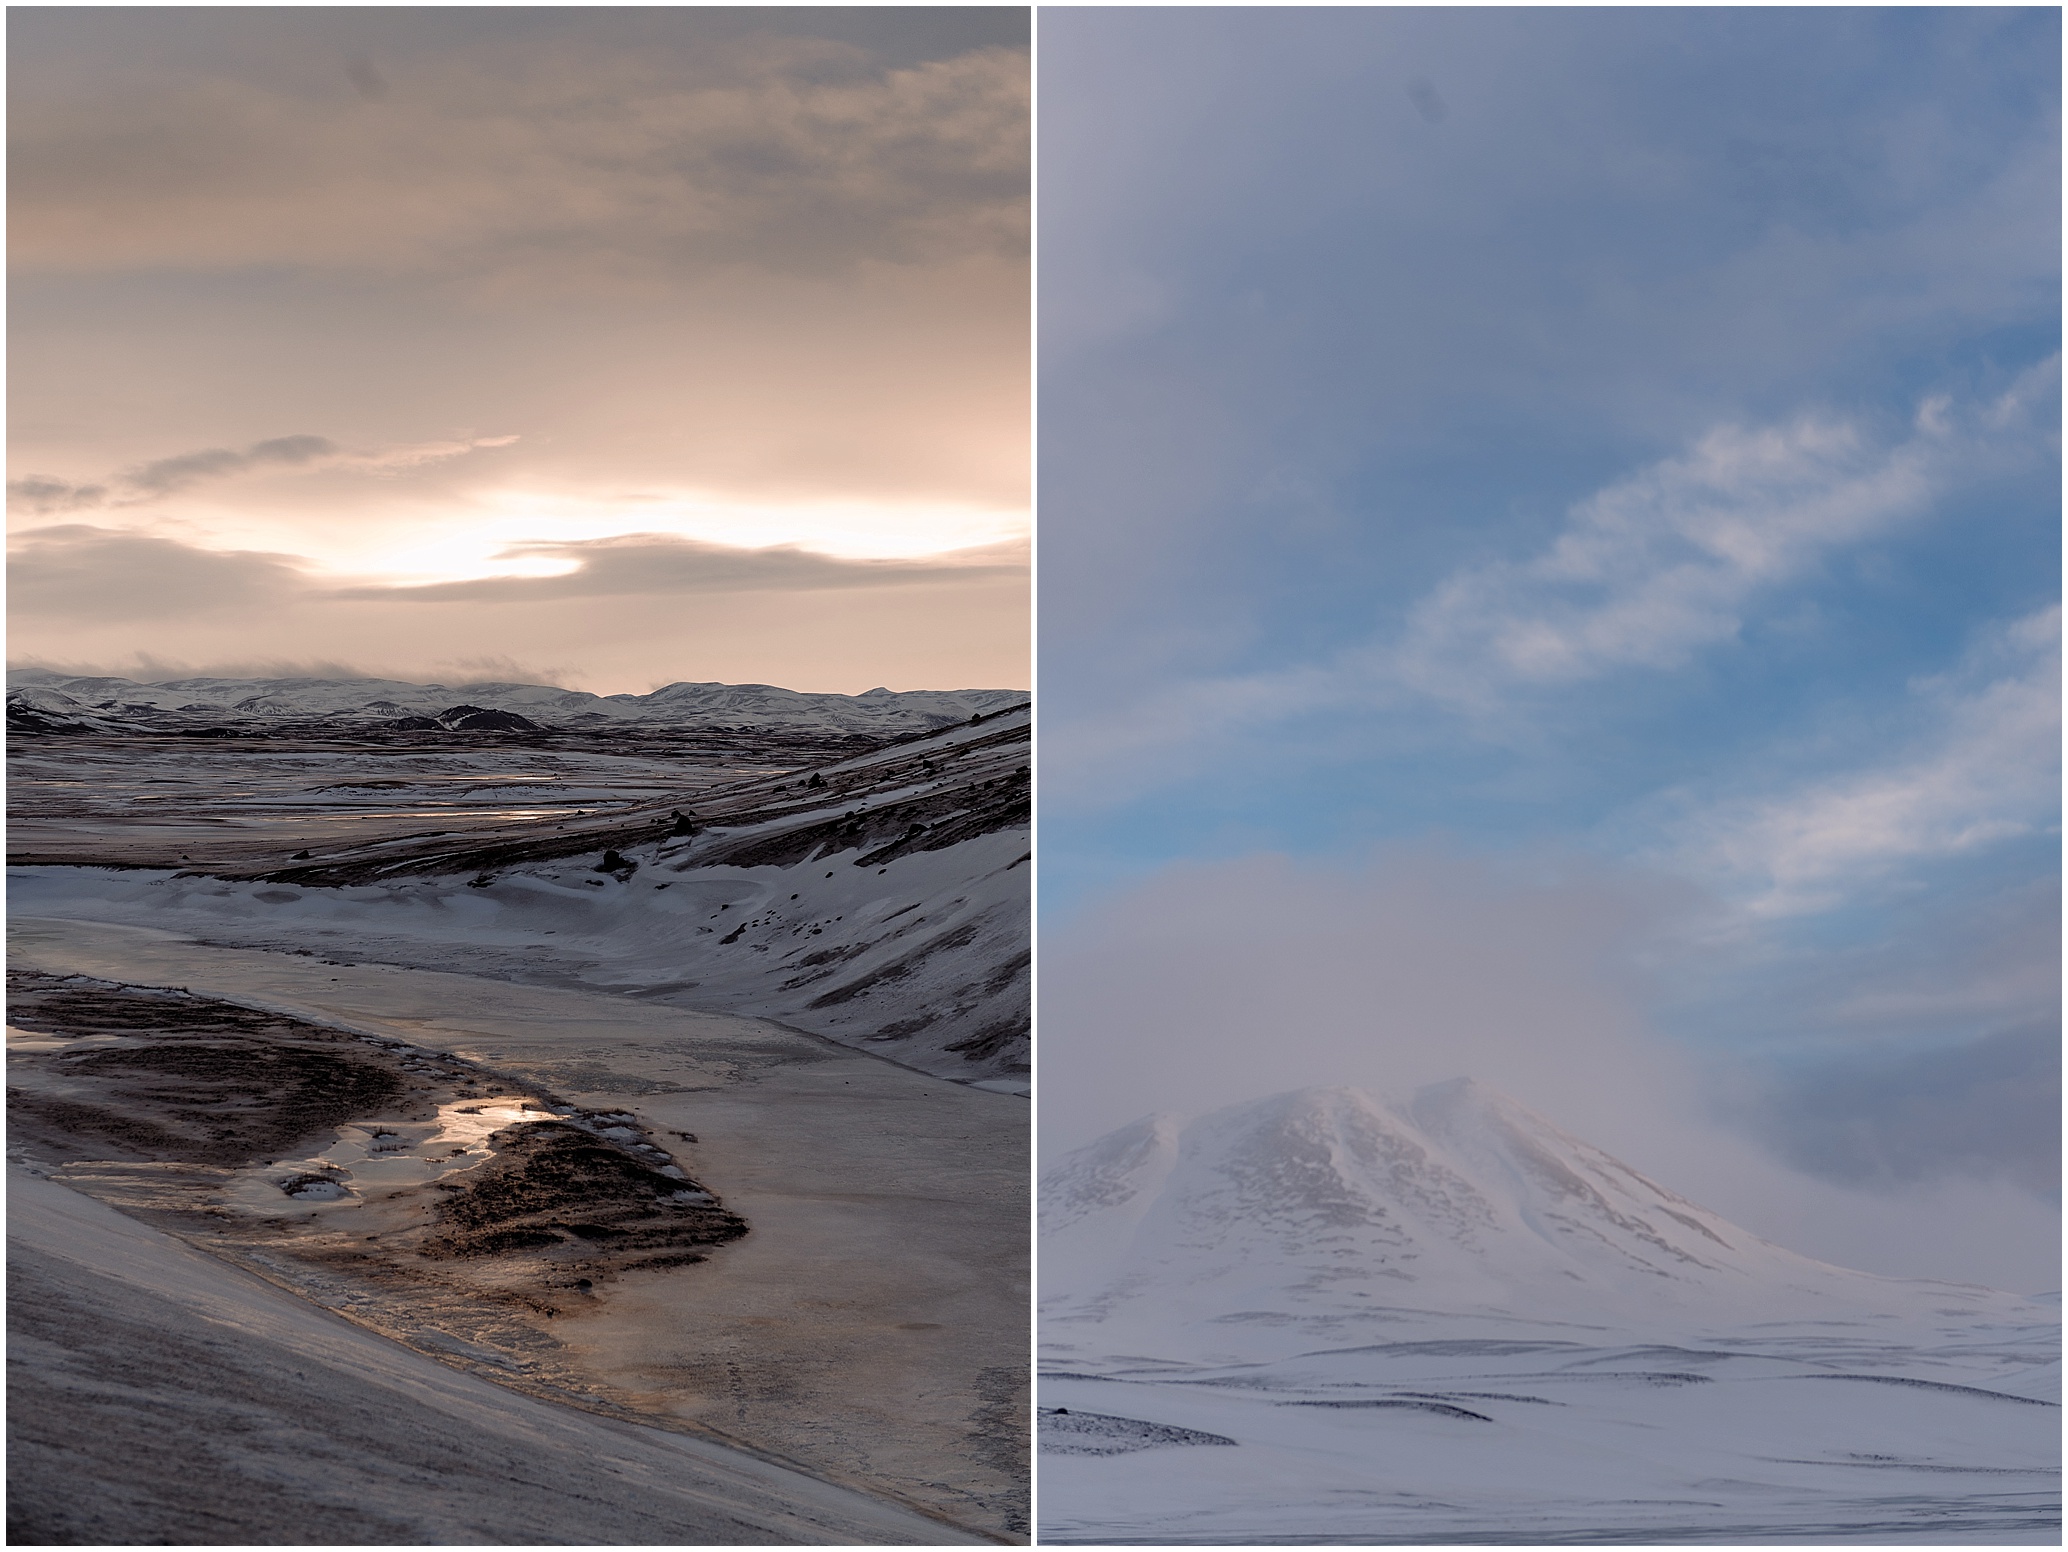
[(160, 1077), (553, 1186)]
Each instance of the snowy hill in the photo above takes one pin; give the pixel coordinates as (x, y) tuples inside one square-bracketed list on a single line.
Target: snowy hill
[(1325, 1318), (41, 701), (880, 898), (1326, 1211)]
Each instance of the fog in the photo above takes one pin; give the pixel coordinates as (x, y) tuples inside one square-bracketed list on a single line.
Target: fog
[(1540, 974)]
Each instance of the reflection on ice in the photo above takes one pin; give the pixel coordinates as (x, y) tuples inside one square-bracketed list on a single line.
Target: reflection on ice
[(382, 1156)]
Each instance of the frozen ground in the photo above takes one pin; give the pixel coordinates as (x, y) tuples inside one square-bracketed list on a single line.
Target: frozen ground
[(150, 1384), (1320, 1318), (885, 906), (254, 803), (549, 1054), (870, 1326)]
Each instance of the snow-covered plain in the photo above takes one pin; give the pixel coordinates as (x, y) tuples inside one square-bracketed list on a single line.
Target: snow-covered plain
[(1446, 1321)]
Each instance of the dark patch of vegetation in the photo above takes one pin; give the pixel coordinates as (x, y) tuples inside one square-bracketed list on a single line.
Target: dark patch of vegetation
[(185, 1079), (898, 969), (988, 1041), (905, 1028), (553, 1184)]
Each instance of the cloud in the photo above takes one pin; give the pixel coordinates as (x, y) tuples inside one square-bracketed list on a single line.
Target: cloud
[(1631, 229), (763, 261), (1986, 1108), (148, 668), (937, 636), (500, 668), (93, 574), (411, 455), (533, 161), (166, 475), (1985, 771), (1930, 1050), (1543, 975), (75, 571), (1673, 558), (44, 496), (161, 477), (627, 564), (1209, 982), (1646, 573), (1663, 563)]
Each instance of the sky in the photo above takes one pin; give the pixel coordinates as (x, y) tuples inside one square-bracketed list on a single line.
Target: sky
[(605, 347), (1550, 570)]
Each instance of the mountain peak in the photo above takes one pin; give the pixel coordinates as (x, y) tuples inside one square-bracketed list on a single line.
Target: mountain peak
[(1327, 1210)]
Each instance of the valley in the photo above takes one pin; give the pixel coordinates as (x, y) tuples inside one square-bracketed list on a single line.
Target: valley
[(673, 1074)]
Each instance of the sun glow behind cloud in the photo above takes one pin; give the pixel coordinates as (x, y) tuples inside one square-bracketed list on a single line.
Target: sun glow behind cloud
[(850, 529), (423, 540), (590, 313)]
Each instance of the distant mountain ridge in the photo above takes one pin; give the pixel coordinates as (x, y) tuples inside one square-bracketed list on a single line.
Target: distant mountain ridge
[(42, 701), (1329, 1213)]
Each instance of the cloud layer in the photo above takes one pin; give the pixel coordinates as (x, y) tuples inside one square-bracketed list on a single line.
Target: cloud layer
[(1645, 574), (1985, 769), (540, 164), (108, 599), (662, 563), (522, 297), (148, 483)]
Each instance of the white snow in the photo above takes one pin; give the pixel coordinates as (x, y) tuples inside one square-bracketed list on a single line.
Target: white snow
[(1448, 1320), (869, 1325), (886, 907), (566, 924)]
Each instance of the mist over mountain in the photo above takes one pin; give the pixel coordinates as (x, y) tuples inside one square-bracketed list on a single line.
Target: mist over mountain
[(1326, 1213)]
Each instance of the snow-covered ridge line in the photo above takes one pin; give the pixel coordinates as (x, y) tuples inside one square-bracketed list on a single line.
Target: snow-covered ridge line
[(908, 795), (114, 705), (879, 900)]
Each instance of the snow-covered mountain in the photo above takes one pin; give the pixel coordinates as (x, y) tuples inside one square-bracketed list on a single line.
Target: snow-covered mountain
[(1325, 1212), (1321, 1318), (42, 701)]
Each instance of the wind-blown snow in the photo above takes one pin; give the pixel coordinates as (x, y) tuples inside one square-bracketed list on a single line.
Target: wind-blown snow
[(1448, 1319)]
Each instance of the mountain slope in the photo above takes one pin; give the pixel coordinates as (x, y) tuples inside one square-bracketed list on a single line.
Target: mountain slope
[(880, 899), (1319, 1318), (1326, 1212)]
